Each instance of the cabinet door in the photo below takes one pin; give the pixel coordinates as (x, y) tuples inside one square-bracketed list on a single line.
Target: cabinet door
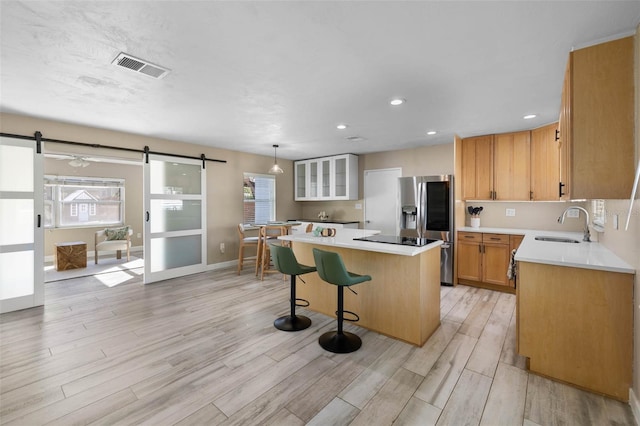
[(511, 166), (545, 164), (564, 127), (495, 263), (602, 120), (301, 180), (477, 168), (313, 188), (340, 177), (469, 260), (325, 174)]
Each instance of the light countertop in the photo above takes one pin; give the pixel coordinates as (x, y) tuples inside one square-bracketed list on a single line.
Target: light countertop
[(585, 255), (345, 238)]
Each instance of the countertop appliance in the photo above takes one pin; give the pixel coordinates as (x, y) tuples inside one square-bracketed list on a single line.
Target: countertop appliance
[(395, 239), (427, 211)]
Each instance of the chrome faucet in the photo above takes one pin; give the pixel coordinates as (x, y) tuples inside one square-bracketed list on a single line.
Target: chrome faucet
[(587, 234)]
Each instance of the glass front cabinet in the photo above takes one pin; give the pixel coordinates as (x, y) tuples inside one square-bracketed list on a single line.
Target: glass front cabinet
[(327, 178)]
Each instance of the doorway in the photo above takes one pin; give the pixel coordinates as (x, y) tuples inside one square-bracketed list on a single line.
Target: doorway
[(381, 200), (110, 189)]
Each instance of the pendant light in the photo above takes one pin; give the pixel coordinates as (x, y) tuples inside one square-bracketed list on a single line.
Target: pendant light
[(275, 169)]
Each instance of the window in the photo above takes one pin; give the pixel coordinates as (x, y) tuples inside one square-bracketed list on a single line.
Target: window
[(83, 201), (259, 198)]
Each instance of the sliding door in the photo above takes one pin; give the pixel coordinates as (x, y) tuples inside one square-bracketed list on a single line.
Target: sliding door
[(175, 239), (21, 236)]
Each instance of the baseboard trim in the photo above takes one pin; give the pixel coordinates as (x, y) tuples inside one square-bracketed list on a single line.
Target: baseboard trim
[(635, 406), (221, 265)]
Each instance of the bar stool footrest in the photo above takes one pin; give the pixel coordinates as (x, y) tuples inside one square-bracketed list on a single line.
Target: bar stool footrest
[(340, 343), (355, 319), (292, 323), (303, 303)]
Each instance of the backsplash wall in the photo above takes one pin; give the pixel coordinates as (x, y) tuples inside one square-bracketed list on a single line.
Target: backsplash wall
[(529, 215)]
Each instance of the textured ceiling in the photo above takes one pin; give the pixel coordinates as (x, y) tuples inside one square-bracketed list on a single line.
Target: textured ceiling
[(245, 75)]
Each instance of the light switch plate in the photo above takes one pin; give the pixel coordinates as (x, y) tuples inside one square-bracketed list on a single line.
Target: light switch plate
[(511, 212)]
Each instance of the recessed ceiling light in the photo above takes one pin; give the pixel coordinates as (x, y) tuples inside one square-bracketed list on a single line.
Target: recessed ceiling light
[(341, 126), (431, 132), (397, 101), (529, 116)]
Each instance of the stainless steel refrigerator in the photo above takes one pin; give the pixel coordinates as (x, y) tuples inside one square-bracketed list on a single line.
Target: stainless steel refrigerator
[(427, 211)]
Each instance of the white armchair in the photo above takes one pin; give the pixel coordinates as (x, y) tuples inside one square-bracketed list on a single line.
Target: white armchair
[(102, 243)]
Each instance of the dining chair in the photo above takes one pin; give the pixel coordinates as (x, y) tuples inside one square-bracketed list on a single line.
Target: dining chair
[(266, 234), (245, 241)]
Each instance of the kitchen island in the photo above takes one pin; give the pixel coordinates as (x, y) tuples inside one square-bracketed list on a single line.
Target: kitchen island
[(403, 298)]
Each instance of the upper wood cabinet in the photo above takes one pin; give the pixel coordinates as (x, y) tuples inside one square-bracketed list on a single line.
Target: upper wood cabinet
[(564, 137), (598, 124), (545, 163), (327, 178), (477, 168), (496, 167), (511, 168)]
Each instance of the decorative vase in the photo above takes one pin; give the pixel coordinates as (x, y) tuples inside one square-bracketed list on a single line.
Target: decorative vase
[(475, 222)]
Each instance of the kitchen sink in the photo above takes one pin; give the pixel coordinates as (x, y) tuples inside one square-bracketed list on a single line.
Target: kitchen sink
[(557, 239)]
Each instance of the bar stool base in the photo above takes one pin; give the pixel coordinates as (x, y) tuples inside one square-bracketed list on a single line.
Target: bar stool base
[(340, 343), (292, 323)]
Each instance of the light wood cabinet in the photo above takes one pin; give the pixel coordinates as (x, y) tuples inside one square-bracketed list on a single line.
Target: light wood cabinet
[(576, 325), (477, 168), (469, 257), (545, 163), (564, 137), (483, 259), (597, 121), (511, 166), (496, 167), (327, 178)]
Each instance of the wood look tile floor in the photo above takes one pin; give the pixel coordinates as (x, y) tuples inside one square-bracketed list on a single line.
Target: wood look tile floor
[(203, 350)]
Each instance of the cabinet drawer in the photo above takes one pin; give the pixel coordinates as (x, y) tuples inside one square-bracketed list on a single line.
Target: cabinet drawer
[(495, 238), (470, 236)]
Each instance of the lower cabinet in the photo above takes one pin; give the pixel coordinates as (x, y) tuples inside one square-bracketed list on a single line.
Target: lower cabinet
[(575, 325), (483, 259)]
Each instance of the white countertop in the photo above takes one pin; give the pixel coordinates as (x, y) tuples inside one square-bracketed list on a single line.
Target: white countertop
[(345, 238), (582, 255)]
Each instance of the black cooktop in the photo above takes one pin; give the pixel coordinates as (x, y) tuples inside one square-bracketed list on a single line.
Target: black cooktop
[(394, 239)]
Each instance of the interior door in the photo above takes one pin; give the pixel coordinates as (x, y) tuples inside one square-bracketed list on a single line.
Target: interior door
[(21, 221), (381, 210), (175, 217)]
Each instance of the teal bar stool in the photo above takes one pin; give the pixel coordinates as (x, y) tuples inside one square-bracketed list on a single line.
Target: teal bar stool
[(285, 261), (332, 270)]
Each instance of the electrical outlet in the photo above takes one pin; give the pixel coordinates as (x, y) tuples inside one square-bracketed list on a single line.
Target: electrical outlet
[(511, 212), (573, 213), (139, 235), (221, 247), (358, 206)]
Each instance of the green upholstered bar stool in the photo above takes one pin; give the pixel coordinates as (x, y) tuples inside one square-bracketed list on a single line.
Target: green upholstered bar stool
[(332, 270), (285, 261)]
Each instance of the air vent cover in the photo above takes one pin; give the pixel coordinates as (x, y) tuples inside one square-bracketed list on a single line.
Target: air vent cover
[(140, 65), (354, 138)]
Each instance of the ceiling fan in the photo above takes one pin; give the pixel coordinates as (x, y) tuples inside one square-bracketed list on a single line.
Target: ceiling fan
[(74, 160)]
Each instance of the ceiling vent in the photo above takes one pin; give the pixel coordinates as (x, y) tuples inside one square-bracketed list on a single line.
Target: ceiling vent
[(140, 65), (354, 138)]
